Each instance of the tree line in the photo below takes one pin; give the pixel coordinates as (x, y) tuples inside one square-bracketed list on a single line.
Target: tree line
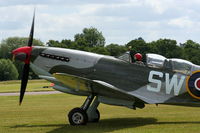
[(92, 40)]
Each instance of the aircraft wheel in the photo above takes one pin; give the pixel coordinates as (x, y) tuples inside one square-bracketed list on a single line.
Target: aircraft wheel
[(98, 118), (77, 116)]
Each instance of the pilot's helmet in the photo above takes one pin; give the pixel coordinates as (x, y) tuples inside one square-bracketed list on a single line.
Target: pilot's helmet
[(138, 57)]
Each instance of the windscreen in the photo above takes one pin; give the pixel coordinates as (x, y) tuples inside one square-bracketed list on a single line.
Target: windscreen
[(125, 57)]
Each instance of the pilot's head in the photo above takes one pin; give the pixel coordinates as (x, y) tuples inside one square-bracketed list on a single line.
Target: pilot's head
[(138, 57)]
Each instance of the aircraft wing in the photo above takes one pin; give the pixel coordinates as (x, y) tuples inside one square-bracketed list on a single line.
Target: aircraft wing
[(74, 82), (94, 86), (78, 84)]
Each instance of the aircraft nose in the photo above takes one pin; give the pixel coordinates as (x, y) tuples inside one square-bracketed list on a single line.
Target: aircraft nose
[(22, 54)]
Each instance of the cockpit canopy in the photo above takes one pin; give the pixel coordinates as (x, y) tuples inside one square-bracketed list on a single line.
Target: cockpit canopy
[(155, 60), (160, 62), (176, 65)]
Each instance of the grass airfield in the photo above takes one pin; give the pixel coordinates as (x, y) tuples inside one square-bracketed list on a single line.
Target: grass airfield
[(33, 85), (47, 114)]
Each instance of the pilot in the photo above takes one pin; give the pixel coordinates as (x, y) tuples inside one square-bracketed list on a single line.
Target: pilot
[(138, 59)]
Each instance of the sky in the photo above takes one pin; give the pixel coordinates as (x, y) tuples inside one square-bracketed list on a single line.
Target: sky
[(120, 21)]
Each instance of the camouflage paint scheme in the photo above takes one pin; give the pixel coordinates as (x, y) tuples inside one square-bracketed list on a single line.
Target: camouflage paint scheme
[(112, 80)]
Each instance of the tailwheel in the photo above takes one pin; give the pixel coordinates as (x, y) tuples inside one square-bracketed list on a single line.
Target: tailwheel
[(78, 116)]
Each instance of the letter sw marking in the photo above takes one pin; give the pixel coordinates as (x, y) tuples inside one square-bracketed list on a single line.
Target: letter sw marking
[(170, 84)]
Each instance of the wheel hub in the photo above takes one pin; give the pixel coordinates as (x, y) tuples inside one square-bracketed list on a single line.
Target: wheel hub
[(77, 118)]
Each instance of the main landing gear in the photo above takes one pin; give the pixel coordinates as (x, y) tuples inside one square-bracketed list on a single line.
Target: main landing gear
[(86, 113)]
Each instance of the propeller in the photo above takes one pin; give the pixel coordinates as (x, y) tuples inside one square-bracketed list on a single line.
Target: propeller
[(26, 68), (23, 54)]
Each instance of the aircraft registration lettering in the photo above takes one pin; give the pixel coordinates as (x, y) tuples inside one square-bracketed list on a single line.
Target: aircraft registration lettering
[(155, 81), (170, 84)]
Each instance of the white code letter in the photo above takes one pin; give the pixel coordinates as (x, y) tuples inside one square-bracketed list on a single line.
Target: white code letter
[(173, 84), (154, 81)]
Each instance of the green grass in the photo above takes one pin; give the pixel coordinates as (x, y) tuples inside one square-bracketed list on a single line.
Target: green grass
[(33, 85), (47, 114)]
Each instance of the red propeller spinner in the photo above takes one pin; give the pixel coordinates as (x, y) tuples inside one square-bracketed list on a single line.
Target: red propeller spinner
[(22, 54)]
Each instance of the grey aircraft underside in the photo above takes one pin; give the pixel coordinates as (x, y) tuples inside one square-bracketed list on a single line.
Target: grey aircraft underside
[(111, 80)]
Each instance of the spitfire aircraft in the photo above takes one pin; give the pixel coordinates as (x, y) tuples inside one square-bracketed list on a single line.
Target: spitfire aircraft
[(110, 80)]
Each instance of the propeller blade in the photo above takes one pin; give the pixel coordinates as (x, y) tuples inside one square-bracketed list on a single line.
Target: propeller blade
[(30, 41), (24, 82), (26, 68)]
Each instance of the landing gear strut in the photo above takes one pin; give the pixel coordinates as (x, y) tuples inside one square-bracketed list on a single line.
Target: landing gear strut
[(86, 113)]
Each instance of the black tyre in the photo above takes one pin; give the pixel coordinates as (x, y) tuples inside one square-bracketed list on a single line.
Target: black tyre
[(77, 116), (98, 118)]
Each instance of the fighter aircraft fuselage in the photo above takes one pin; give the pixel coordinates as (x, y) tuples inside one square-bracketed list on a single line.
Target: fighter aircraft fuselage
[(158, 85)]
